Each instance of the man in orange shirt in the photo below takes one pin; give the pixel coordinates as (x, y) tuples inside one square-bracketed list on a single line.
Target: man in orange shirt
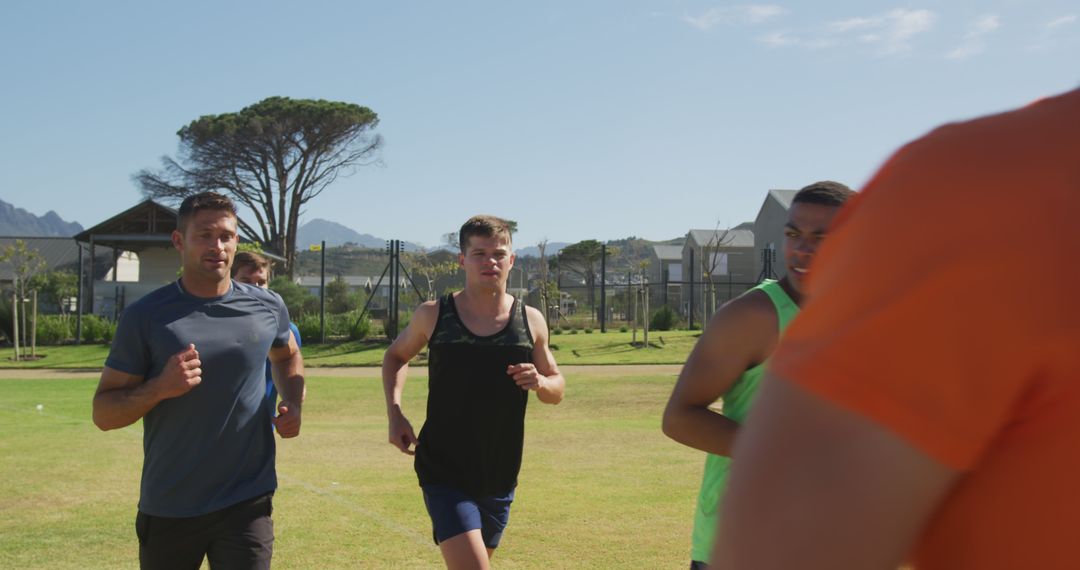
[(924, 405)]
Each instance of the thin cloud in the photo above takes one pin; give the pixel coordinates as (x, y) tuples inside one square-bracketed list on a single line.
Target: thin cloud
[(747, 14), (974, 40), (1062, 21), (891, 32)]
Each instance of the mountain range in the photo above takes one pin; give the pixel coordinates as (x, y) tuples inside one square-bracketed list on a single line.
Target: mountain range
[(18, 222), (335, 234)]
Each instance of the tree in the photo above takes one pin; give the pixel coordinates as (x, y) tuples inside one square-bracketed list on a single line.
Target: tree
[(430, 267), (582, 258), (272, 157), (25, 264), (58, 287), (711, 260), (337, 297)]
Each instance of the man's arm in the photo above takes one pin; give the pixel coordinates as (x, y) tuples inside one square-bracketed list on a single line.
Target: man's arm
[(739, 336), (122, 399), (542, 375), (395, 368), (820, 487), (287, 369)]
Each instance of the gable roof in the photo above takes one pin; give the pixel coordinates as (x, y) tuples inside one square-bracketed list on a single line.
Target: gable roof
[(784, 197), (733, 238), (668, 252), (144, 224)]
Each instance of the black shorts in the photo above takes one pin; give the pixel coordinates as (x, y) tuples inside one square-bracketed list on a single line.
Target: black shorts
[(240, 536)]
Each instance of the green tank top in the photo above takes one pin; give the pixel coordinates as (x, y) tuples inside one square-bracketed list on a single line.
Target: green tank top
[(736, 406)]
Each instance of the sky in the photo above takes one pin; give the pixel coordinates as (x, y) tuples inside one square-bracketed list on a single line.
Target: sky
[(585, 119)]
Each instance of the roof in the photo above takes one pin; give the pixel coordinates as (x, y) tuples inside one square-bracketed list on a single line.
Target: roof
[(729, 238), (784, 197), (668, 252), (147, 223), (60, 253)]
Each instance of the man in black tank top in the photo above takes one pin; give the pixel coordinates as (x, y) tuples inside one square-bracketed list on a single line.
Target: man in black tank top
[(486, 352)]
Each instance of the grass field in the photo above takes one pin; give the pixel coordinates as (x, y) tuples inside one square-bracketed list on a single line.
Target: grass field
[(668, 347), (601, 487)]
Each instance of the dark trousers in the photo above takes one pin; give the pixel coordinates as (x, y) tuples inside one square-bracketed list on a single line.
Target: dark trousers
[(240, 537)]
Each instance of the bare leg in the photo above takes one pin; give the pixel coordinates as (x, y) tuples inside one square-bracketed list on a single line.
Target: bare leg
[(465, 551)]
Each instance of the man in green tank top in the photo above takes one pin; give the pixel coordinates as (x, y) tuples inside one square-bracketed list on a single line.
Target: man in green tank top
[(487, 351), (729, 358)]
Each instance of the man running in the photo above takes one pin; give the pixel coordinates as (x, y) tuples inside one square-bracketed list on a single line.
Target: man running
[(487, 351)]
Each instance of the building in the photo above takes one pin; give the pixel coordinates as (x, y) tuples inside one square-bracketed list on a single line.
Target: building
[(769, 235), (717, 266)]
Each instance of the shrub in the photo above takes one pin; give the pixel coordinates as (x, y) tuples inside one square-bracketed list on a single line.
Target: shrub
[(573, 331), (358, 329), (556, 330), (108, 331), (588, 330), (663, 319), (93, 328), (624, 328), (309, 328), (54, 329)]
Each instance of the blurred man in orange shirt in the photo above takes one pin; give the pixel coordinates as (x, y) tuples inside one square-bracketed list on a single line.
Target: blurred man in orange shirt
[(925, 406)]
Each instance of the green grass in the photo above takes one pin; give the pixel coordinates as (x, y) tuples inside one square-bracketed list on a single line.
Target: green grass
[(666, 347), (601, 487)]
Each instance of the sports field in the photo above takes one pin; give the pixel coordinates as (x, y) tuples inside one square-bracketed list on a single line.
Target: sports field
[(601, 487)]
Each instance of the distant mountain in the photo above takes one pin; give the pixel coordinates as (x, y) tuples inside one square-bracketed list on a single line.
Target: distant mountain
[(336, 234), (18, 222), (552, 248)]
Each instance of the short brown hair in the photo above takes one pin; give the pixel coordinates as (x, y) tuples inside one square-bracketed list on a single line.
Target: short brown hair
[(252, 260), (202, 201), (825, 192), (483, 226)]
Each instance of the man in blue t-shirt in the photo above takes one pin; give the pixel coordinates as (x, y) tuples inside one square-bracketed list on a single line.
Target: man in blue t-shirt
[(254, 269), (188, 360)]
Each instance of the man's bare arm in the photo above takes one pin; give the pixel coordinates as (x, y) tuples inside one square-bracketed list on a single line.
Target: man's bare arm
[(739, 336), (122, 399), (819, 487), (395, 369), (287, 369), (542, 375)]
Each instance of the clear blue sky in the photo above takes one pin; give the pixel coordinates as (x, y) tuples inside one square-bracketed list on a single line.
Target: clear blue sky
[(579, 119)]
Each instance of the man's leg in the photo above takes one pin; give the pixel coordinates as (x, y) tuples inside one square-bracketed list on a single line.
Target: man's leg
[(465, 551), (455, 523), (243, 536), (170, 543)]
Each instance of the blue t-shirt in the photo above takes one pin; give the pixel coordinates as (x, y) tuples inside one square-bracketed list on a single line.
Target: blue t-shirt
[(271, 390), (212, 447)]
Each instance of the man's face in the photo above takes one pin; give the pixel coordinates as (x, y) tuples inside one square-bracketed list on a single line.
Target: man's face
[(803, 233), (253, 275), (487, 260), (207, 245)]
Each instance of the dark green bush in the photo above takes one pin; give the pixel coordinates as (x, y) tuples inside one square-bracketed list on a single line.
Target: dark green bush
[(663, 319)]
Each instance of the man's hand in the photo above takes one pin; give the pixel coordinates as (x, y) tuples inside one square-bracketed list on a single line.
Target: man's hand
[(401, 433), (287, 421), (526, 376), (182, 372)]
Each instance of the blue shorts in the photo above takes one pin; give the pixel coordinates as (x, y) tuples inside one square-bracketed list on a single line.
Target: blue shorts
[(453, 512)]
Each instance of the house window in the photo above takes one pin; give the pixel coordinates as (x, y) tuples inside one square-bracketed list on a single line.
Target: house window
[(674, 272), (718, 262)]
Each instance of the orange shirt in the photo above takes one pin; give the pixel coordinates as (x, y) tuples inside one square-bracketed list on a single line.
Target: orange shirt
[(945, 306)]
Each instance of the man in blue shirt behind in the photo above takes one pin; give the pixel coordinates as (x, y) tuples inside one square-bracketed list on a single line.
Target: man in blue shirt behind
[(188, 359), (254, 269)]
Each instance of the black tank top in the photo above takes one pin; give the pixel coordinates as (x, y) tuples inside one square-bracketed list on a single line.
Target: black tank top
[(475, 426)]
